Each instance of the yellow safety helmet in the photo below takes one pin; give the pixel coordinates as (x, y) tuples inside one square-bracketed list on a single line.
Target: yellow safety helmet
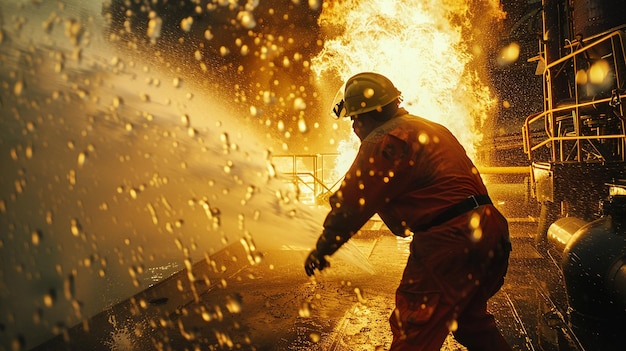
[(365, 92)]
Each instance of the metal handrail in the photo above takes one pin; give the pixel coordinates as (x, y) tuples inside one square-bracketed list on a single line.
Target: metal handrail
[(315, 180), (317, 186), (548, 115)]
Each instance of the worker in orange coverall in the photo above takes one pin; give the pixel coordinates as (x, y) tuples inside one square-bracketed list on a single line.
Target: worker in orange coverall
[(417, 177)]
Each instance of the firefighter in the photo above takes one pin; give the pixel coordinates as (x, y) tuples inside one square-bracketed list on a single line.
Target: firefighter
[(417, 177)]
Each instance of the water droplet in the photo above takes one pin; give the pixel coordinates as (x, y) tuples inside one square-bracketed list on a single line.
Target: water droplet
[(477, 234), (71, 177), (82, 157), (299, 104), (302, 127), (19, 185), (185, 119), (206, 316), (509, 54), (581, 77), (18, 88), (453, 325), (315, 337), (36, 237), (50, 298), (423, 138), (153, 215), (117, 102), (30, 126), (208, 35), (474, 221), (75, 227), (73, 30), (69, 287), (598, 71), (247, 19), (29, 152), (305, 310), (315, 4), (154, 26), (186, 23), (245, 50), (18, 343), (233, 304)]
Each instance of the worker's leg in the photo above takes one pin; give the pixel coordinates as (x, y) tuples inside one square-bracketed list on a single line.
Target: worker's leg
[(445, 273), (434, 281), (420, 319), (477, 328)]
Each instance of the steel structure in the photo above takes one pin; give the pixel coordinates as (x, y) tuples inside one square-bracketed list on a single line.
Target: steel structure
[(577, 143)]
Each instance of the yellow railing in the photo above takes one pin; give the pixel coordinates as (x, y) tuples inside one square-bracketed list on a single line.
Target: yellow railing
[(569, 145)]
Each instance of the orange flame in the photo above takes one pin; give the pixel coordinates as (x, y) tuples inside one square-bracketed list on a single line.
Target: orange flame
[(424, 46)]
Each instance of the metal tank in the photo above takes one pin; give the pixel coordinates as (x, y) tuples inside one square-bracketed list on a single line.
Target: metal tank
[(591, 17), (593, 263)]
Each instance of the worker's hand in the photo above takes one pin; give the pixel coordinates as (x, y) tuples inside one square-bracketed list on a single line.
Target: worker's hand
[(315, 261)]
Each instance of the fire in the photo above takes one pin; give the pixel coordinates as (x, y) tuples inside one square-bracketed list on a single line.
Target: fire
[(428, 48)]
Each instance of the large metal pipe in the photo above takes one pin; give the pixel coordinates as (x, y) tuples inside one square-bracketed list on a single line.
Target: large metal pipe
[(593, 263), (504, 170), (562, 230), (595, 288)]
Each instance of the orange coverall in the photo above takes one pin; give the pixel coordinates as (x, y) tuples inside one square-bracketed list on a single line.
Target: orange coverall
[(409, 170)]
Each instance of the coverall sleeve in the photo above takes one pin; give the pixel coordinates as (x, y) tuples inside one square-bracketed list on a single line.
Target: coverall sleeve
[(379, 173)]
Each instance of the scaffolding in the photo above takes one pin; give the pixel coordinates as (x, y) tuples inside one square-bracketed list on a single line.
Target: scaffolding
[(315, 176)]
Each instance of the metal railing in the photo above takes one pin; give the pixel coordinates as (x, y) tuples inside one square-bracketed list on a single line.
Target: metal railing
[(581, 128), (311, 173)]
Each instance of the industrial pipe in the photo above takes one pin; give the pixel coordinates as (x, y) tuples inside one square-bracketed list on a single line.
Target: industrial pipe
[(561, 231), (594, 272)]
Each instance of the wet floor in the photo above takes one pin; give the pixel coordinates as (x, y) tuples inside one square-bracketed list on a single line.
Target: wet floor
[(273, 305)]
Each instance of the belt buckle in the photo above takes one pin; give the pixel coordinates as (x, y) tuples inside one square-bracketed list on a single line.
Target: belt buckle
[(476, 204)]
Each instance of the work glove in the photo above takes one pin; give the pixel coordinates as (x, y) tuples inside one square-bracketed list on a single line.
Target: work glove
[(314, 261)]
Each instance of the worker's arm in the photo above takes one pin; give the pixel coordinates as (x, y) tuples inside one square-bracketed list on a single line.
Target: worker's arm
[(378, 174)]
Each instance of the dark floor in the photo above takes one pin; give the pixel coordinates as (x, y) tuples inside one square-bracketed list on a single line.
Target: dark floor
[(274, 306)]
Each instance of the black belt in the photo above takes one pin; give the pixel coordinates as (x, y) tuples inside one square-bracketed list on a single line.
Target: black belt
[(471, 203)]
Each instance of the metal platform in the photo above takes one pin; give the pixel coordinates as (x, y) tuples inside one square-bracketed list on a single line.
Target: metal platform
[(274, 306)]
